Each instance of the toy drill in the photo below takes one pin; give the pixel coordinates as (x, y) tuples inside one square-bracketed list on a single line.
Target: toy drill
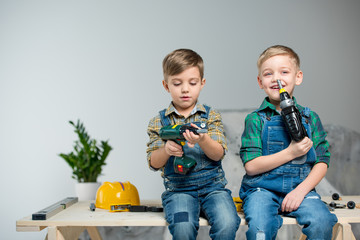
[(291, 115), (182, 164)]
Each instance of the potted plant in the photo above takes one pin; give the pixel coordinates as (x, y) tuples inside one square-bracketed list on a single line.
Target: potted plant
[(86, 162)]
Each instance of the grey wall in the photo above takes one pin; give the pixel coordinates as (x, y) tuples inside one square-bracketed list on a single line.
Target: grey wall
[(100, 61)]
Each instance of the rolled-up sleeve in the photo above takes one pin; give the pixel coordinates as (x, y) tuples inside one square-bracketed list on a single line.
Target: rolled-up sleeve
[(251, 146), (320, 143), (155, 142), (216, 128)]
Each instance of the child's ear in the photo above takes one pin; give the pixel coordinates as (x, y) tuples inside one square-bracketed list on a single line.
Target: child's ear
[(299, 77), (260, 82), (166, 86), (203, 81)]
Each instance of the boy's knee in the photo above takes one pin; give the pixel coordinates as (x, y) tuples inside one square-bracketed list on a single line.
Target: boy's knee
[(322, 221), (264, 227), (224, 230), (261, 233), (181, 217), (229, 224), (320, 227)]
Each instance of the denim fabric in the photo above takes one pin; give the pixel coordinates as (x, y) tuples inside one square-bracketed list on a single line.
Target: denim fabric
[(261, 209), (203, 163), (263, 194), (183, 208), (202, 190)]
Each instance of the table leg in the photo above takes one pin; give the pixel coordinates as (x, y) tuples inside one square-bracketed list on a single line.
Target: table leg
[(342, 231), (347, 233), (63, 233), (93, 233), (302, 237)]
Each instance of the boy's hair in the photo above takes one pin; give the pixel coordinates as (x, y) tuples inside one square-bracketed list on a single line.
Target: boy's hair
[(181, 59), (278, 50)]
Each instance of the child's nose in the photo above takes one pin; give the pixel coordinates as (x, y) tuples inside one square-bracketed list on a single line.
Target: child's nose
[(275, 78), (185, 88)]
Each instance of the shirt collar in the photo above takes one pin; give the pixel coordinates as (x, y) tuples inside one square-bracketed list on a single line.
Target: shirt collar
[(198, 108), (266, 104)]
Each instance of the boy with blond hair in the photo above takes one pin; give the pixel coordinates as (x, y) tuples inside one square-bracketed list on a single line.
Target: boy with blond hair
[(202, 190), (281, 174)]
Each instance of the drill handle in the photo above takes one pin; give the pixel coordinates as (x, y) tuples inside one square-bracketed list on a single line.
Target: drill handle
[(292, 119), (181, 142)]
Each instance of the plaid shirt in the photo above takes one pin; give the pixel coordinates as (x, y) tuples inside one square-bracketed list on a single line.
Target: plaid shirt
[(214, 124), (251, 146)]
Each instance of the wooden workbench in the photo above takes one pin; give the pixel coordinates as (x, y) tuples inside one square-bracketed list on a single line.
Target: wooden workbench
[(69, 223)]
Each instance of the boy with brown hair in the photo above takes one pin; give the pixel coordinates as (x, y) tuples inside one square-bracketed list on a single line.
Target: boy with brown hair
[(202, 190), (281, 174)]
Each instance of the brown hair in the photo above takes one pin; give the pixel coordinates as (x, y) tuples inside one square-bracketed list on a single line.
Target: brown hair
[(181, 59), (278, 50)]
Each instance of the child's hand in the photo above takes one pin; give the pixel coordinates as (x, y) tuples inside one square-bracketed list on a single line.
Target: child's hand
[(292, 201), (173, 149), (300, 148), (192, 138)]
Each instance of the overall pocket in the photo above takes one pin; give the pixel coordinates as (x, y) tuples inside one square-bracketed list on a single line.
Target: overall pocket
[(252, 180)]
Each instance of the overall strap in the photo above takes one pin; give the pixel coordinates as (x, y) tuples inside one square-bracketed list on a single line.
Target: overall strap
[(206, 113), (165, 121), (262, 115), (306, 112)]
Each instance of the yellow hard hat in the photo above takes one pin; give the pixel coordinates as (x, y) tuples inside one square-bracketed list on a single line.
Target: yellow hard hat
[(117, 194)]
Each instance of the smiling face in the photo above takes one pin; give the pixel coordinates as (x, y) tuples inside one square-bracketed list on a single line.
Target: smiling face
[(279, 67), (184, 89)]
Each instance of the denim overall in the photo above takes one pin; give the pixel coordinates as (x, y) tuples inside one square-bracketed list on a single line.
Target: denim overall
[(201, 190), (205, 170), (274, 138), (265, 192)]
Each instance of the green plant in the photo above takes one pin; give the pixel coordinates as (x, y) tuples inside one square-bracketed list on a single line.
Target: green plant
[(87, 158)]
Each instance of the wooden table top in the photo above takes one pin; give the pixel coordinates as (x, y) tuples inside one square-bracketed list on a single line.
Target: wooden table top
[(79, 214)]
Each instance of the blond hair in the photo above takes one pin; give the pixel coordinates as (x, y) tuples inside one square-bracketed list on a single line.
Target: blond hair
[(278, 50), (181, 59)]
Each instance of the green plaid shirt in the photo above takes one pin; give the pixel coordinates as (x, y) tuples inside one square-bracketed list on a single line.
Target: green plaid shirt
[(214, 124), (251, 146)]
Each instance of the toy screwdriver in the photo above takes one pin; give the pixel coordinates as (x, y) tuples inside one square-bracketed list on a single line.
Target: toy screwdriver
[(291, 115)]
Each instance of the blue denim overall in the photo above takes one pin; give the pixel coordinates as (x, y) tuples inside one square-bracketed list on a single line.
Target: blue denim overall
[(274, 138), (202, 190), (263, 194)]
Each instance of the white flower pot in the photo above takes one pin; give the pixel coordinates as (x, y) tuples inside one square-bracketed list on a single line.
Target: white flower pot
[(87, 190)]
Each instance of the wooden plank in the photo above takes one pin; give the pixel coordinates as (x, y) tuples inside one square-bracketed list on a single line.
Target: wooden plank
[(62, 233), (346, 231), (93, 233), (302, 237), (79, 215), (20, 228), (337, 232), (54, 234)]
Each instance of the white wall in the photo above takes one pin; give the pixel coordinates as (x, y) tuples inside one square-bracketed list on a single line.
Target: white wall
[(100, 61)]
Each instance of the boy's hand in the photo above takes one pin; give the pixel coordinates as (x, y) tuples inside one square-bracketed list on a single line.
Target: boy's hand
[(300, 148), (193, 138), (292, 201), (173, 149)]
